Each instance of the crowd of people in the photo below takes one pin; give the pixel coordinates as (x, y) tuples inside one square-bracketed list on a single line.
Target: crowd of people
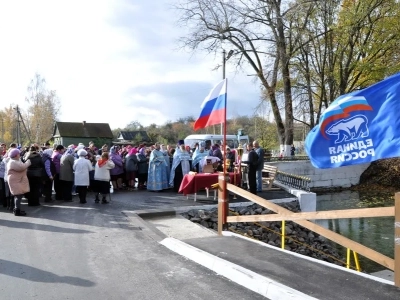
[(46, 171)]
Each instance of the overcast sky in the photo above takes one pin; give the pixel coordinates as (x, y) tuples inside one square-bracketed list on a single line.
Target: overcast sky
[(112, 61)]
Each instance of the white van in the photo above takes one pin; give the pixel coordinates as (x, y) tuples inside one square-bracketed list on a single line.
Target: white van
[(232, 140)]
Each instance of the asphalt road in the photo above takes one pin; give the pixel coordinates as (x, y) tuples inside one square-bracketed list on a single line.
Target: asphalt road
[(95, 251)]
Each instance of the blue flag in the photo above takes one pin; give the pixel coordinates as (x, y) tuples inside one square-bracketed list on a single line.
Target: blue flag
[(358, 127)]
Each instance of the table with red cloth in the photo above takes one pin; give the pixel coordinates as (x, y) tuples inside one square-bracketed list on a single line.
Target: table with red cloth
[(191, 184)]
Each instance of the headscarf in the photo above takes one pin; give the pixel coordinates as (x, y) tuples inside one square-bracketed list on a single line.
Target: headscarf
[(113, 150), (48, 152), (132, 151), (142, 151), (69, 151), (13, 153), (100, 161), (82, 152)]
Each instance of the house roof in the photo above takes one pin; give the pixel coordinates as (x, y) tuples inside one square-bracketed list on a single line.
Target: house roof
[(131, 135), (82, 129)]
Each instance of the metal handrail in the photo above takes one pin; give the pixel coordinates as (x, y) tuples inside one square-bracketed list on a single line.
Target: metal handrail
[(285, 158), (294, 181)]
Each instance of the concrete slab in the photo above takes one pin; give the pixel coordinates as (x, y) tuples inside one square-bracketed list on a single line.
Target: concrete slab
[(385, 274), (322, 281), (180, 228), (257, 283)]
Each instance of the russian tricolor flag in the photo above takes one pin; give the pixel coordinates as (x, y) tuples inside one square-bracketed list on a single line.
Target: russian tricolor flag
[(213, 107)]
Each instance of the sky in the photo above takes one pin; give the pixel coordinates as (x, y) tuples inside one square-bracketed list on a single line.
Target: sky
[(112, 61)]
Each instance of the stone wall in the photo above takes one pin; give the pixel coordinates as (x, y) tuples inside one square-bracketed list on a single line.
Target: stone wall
[(323, 178)]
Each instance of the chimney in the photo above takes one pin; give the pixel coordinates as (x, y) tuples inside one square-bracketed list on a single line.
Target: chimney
[(84, 123)]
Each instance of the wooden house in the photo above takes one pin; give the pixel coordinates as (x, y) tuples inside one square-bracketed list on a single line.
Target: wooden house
[(67, 133)]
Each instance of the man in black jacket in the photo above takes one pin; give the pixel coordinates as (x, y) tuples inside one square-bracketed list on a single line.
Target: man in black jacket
[(252, 164), (260, 165)]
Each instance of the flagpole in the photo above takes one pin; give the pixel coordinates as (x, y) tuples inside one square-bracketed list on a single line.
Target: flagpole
[(226, 108), (225, 194), (223, 77)]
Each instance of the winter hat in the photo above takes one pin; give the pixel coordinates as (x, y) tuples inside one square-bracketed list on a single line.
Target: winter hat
[(82, 152), (13, 153), (181, 142)]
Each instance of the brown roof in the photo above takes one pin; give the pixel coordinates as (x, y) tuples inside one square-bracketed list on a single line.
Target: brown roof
[(83, 129)]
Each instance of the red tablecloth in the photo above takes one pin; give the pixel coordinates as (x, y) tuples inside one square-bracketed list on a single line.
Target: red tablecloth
[(193, 183)]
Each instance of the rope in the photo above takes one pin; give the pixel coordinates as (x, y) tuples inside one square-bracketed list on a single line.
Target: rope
[(294, 240)]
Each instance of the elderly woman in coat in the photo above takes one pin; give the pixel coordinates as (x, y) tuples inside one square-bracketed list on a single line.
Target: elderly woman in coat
[(82, 167), (17, 179), (48, 174), (34, 173), (102, 177), (118, 171), (67, 173)]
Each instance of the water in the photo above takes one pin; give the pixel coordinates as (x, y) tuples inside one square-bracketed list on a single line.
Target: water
[(375, 233)]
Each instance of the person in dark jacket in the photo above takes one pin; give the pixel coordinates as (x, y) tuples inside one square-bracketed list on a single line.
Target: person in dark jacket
[(48, 174), (34, 173), (230, 157), (131, 167), (56, 158), (260, 164), (143, 168), (252, 163), (292, 150), (67, 173)]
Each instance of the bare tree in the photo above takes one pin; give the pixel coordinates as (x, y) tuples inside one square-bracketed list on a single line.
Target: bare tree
[(43, 110), (256, 29)]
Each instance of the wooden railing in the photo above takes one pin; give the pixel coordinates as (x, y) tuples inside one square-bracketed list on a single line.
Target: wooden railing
[(302, 219)]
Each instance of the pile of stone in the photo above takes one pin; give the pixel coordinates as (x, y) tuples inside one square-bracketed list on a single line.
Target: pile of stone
[(298, 239)]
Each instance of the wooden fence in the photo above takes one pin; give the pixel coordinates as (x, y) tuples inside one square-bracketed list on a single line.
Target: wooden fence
[(283, 214)]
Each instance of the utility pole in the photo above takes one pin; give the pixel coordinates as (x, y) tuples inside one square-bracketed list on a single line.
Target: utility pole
[(18, 128), (19, 120)]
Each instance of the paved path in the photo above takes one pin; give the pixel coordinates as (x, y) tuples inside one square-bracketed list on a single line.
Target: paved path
[(94, 251)]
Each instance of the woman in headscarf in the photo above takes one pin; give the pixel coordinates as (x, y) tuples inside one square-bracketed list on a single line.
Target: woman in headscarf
[(131, 167), (118, 171), (9, 196), (48, 173), (35, 172), (17, 179), (3, 199), (143, 168), (102, 177), (82, 167), (67, 173), (56, 158)]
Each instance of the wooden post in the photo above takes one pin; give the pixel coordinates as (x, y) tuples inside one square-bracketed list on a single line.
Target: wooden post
[(223, 202), (397, 240)]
